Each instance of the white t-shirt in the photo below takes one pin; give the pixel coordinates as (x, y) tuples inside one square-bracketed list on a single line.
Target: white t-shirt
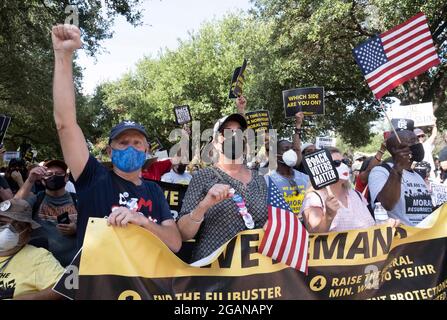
[(174, 177), (415, 201)]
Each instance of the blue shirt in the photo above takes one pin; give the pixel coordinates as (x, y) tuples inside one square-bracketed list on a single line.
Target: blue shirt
[(293, 189), (99, 190)]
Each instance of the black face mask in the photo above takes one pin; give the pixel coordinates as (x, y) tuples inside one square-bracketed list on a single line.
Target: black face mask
[(181, 168), (236, 153), (55, 183), (417, 152)]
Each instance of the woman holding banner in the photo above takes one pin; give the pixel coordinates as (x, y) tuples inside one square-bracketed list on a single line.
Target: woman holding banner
[(337, 207), (224, 199)]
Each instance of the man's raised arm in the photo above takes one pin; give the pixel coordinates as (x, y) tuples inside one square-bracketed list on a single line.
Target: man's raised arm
[(66, 39)]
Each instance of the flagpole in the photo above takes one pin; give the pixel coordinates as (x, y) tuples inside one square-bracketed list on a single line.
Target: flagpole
[(389, 121)]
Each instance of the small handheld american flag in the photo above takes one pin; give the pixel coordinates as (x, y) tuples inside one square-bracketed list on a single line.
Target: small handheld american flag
[(397, 55), (285, 239)]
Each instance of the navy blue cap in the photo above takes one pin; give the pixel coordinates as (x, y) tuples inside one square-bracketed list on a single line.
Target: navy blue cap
[(126, 125), (443, 154)]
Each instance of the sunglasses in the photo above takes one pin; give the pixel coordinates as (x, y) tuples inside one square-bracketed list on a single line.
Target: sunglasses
[(337, 163), (421, 136)]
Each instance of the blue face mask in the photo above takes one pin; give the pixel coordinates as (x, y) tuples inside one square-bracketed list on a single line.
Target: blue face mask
[(129, 159)]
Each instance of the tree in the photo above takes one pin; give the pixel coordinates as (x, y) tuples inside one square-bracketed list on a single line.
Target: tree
[(26, 67), (197, 73), (313, 40)]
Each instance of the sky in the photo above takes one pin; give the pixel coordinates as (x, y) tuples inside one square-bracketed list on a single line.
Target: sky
[(164, 22)]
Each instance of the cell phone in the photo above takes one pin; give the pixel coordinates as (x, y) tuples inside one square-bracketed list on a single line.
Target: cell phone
[(63, 218)]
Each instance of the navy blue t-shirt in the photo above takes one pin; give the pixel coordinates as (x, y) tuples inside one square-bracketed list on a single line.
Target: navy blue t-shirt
[(99, 190)]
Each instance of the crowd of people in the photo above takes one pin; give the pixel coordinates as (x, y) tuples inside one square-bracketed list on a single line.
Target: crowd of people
[(45, 208)]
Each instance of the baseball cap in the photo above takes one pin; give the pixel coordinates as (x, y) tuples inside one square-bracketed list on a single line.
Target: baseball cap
[(18, 210), (306, 145), (56, 163), (126, 125), (232, 117), (443, 154)]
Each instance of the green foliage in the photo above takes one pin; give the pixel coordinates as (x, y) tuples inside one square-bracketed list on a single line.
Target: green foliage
[(288, 44), (26, 68)]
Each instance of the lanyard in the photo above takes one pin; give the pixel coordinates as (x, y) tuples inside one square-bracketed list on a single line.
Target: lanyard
[(5, 263), (246, 216)]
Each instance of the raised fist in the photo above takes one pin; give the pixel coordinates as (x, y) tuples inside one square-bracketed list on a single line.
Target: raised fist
[(66, 38)]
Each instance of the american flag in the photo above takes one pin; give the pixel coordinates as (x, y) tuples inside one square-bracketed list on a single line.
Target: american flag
[(285, 239), (397, 55)]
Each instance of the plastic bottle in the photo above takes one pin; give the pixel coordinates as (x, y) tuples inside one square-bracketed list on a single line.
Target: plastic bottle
[(380, 214)]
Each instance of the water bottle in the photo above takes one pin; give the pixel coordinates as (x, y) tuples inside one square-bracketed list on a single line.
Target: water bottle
[(380, 214)]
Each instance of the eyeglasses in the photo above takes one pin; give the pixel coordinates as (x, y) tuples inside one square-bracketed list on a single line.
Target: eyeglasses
[(15, 225), (49, 174), (337, 163)]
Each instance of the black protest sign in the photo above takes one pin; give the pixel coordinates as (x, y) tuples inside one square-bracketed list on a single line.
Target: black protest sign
[(156, 145), (402, 124), (237, 82), (182, 114), (4, 124), (258, 120), (174, 194), (233, 82), (320, 168), (308, 100)]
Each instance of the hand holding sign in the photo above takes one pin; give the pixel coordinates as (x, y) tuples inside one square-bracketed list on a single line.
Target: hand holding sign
[(332, 205), (241, 104), (299, 117)]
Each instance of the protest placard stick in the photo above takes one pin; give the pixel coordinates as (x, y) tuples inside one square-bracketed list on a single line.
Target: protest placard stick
[(389, 121), (329, 191)]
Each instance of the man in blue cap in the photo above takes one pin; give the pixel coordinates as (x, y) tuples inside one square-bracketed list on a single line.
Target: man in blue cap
[(119, 194)]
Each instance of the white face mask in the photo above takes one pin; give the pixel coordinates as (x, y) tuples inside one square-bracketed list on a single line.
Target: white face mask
[(290, 158), (343, 172), (8, 238)]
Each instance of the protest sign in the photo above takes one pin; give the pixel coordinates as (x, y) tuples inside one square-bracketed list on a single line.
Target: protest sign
[(5, 121), (258, 120), (9, 155), (308, 100), (320, 168), (402, 124), (421, 114), (237, 82), (324, 142), (439, 194), (378, 263), (182, 114), (174, 194), (161, 154)]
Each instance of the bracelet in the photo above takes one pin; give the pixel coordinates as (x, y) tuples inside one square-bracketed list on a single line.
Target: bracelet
[(380, 151), (194, 220), (378, 160)]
